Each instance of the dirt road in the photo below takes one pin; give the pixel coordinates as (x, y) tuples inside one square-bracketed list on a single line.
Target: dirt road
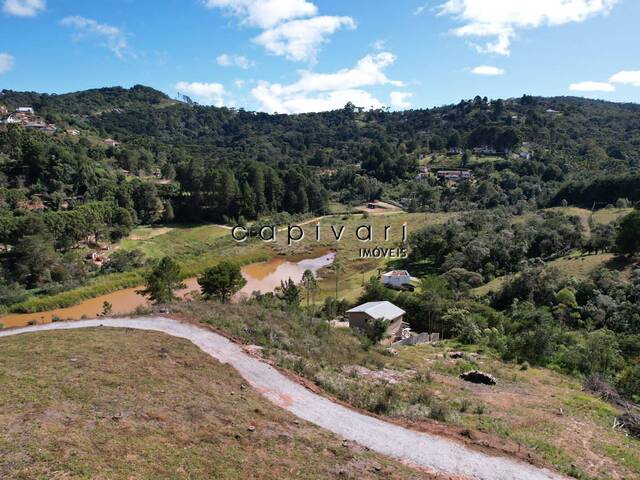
[(424, 450)]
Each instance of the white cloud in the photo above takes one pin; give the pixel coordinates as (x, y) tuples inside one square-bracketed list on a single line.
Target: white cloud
[(24, 8), (207, 93), (265, 13), (627, 77), (300, 40), (421, 9), (501, 19), (399, 100), (273, 101), (314, 92), (291, 28), (240, 61), (487, 70), (592, 87), (113, 37), (379, 45), (6, 62), (239, 83)]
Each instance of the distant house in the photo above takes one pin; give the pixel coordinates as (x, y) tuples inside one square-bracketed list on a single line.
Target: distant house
[(362, 316), (397, 278), (73, 132), (485, 151), (454, 151), (454, 175), (525, 155), (27, 110), (110, 142)]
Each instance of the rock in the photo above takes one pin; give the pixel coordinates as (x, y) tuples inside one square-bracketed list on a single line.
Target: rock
[(456, 354), (476, 376), (251, 428), (392, 351)]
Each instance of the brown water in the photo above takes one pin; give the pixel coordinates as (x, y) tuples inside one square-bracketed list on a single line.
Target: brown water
[(262, 276)]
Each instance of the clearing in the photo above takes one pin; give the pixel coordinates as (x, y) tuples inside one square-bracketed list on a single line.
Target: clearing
[(121, 404)]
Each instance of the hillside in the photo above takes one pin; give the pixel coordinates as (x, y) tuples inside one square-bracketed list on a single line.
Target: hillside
[(124, 404)]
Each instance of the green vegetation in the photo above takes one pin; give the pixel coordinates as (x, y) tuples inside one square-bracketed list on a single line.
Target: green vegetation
[(531, 411), (162, 281), (222, 281)]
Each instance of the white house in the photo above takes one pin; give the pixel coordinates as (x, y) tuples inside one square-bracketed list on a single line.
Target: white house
[(397, 278), (28, 110), (362, 316)]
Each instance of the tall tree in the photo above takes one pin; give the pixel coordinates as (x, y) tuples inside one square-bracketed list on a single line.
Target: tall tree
[(309, 283), (222, 281), (163, 281)]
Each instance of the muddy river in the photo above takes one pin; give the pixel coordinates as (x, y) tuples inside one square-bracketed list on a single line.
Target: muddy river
[(261, 276)]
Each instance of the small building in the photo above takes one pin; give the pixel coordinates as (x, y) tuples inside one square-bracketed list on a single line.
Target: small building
[(397, 278), (362, 316), (110, 142), (454, 174), (73, 132), (27, 110)]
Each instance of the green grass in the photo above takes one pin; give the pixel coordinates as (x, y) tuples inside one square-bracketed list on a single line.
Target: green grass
[(178, 242), (195, 248), (123, 404), (348, 249)]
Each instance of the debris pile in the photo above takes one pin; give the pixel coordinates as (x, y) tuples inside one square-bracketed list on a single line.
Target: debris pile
[(475, 376)]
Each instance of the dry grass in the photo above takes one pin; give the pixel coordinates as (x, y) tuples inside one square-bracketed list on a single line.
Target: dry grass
[(533, 412), (546, 412), (124, 404)]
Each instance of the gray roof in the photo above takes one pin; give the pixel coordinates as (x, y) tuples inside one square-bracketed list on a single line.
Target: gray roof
[(384, 310)]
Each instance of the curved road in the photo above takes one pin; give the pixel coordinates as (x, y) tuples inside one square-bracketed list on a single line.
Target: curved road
[(427, 451)]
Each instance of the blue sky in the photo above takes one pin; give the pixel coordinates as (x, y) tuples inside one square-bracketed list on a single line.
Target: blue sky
[(308, 55)]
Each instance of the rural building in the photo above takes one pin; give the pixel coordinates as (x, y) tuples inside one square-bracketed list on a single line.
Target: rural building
[(362, 316), (27, 110), (454, 174), (397, 278), (111, 142)]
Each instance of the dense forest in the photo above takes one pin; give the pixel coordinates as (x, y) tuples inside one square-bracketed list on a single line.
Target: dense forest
[(119, 157)]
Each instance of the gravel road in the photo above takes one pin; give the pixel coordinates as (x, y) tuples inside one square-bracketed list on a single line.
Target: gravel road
[(428, 451)]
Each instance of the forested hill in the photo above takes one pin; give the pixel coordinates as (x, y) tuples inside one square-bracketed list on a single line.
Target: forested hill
[(589, 134)]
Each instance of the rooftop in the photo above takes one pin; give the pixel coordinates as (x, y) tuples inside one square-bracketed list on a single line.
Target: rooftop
[(385, 310)]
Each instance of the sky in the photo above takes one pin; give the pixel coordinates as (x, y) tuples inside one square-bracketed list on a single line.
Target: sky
[(292, 56)]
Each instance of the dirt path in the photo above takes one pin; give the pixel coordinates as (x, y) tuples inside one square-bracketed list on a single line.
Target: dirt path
[(424, 450)]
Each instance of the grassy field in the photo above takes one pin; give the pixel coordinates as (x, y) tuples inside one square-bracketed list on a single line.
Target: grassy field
[(195, 248), (531, 413), (123, 404), (574, 265), (357, 269), (602, 217), (541, 410)]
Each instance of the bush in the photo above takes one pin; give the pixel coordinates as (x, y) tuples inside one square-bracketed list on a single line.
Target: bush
[(629, 382)]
